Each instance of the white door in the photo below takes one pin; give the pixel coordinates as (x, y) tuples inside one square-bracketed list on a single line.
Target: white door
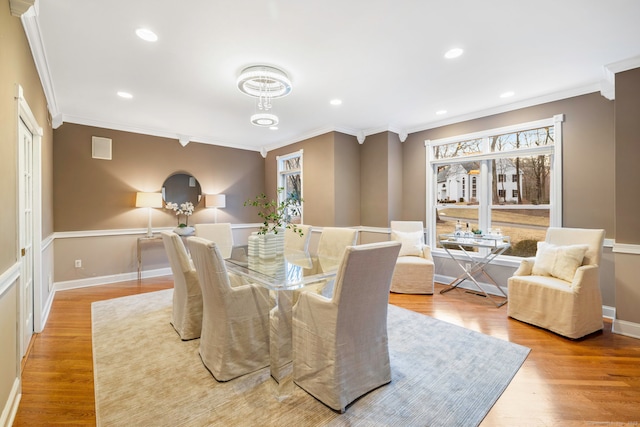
[(25, 174)]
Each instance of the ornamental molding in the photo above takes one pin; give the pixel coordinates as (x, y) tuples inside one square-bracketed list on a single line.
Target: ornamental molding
[(19, 7)]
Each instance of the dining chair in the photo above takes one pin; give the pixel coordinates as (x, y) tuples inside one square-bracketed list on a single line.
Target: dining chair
[(186, 316), (235, 321), (220, 233), (294, 241), (559, 288), (340, 344), (331, 246), (414, 268)]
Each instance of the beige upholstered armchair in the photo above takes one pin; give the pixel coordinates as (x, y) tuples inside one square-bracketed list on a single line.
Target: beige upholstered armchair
[(221, 234), (414, 269), (235, 329), (340, 345), (186, 317), (559, 289)]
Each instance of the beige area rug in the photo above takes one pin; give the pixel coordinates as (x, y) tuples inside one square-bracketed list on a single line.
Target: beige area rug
[(442, 375)]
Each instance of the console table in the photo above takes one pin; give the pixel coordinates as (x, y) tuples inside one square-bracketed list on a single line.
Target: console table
[(494, 245)]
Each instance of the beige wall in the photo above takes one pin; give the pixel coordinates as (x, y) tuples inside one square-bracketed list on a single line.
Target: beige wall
[(330, 178), (95, 194), (17, 68), (627, 192)]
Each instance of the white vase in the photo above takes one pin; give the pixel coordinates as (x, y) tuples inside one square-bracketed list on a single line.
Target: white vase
[(184, 231), (270, 245)]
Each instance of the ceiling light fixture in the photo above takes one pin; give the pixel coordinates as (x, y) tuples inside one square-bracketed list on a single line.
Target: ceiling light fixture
[(453, 53), (507, 94), (146, 35), (264, 119), (441, 112), (264, 83), (125, 95), (335, 102)]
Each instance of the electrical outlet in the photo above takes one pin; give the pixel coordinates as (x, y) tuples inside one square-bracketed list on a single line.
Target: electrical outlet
[(78, 263)]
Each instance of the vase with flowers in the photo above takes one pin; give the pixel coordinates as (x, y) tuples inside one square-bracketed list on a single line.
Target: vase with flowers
[(183, 209), (276, 217)]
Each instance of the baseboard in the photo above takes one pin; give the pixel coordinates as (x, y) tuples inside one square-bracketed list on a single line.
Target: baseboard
[(11, 406), (623, 327), (115, 278), (46, 310), (608, 312)]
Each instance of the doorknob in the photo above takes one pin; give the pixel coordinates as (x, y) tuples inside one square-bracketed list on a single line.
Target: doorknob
[(23, 251)]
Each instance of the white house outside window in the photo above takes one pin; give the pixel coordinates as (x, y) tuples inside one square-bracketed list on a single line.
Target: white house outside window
[(522, 207), (290, 179)]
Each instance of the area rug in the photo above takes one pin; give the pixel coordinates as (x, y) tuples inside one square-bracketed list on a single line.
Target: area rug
[(442, 375)]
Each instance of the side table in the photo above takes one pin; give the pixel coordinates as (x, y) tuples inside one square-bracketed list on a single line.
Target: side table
[(495, 245)]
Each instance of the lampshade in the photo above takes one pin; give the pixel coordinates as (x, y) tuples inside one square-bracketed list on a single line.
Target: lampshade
[(215, 201), (148, 200)]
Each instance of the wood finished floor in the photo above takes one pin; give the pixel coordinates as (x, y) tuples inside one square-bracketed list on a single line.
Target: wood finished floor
[(593, 381)]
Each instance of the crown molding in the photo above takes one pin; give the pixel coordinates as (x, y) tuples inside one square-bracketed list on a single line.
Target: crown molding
[(609, 71), (31, 27), (19, 7)]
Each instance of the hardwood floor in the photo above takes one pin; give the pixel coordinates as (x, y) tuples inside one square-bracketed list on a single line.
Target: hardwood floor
[(592, 381)]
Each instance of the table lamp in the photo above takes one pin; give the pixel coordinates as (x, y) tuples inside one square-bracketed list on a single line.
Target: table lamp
[(149, 200), (215, 201)]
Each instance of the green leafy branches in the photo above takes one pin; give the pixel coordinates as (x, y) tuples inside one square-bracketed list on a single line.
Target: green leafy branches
[(275, 215)]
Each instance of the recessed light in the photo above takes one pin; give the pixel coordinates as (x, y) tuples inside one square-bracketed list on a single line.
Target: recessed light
[(453, 53), (507, 94), (146, 35), (441, 112), (125, 95), (274, 128), (335, 102)]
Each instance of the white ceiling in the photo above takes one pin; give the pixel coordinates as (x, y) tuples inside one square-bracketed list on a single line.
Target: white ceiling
[(382, 58)]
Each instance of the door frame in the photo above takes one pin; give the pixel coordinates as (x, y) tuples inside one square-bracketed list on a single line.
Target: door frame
[(25, 115)]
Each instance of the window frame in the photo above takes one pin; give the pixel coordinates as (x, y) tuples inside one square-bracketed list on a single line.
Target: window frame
[(485, 207), (283, 174)]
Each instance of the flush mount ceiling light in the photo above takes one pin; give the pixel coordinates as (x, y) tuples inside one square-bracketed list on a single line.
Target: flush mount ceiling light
[(264, 83), (125, 95), (453, 53), (264, 120), (146, 35)]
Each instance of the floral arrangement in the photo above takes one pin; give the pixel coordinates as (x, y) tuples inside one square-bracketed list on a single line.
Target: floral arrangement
[(185, 209), (275, 215)]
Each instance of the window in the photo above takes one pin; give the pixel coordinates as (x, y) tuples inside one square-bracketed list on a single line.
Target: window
[(522, 206), (290, 179)]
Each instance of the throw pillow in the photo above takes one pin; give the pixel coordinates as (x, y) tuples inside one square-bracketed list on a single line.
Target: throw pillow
[(412, 242), (558, 261)]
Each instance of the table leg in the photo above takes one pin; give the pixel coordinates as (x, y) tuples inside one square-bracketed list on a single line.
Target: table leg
[(280, 349)]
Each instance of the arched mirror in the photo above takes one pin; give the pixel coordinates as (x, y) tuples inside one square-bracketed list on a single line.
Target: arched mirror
[(180, 188)]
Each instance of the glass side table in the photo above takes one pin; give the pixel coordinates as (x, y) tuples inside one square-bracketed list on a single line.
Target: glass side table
[(495, 246)]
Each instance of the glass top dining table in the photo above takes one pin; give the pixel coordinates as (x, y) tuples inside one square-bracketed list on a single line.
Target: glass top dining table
[(283, 275)]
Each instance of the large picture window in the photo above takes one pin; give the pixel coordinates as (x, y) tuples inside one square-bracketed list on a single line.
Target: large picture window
[(290, 179), (521, 207)]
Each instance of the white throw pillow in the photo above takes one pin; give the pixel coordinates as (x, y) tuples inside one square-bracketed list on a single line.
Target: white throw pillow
[(412, 242), (558, 261)]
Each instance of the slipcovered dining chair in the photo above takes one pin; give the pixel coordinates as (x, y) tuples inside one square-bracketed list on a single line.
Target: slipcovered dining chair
[(294, 241), (331, 246), (235, 321), (219, 233), (340, 344), (414, 268), (186, 316), (559, 288)]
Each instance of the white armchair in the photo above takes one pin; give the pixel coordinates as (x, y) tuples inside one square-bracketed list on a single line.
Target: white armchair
[(414, 268), (559, 288), (186, 316), (340, 344)]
